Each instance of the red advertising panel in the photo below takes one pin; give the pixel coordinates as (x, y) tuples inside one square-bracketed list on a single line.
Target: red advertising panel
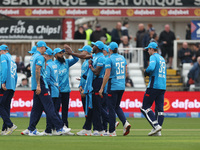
[(106, 11), (131, 101), (68, 29)]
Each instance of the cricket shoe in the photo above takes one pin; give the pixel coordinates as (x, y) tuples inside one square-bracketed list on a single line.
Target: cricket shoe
[(25, 132), (11, 130), (45, 134), (154, 131), (113, 134), (84, 133), (96, 133), (102, 133), (106, 133), (3, 132), (34, 133), (116, 124), (68, 133), (62, 131), (157, 134), (127, 128)]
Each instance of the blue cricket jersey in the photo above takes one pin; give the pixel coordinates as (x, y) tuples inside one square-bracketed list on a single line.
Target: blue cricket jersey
[(9, 71), (157, 70), (0, 72), (84, 68), (99, 60), (37, 59), (64, 73), (117, 63), (52, 77), (106, 86)]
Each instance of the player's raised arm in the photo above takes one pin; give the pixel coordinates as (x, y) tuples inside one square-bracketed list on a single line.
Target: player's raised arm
[(69, 51)]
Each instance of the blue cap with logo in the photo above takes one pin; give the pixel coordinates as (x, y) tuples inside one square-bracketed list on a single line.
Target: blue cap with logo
[(48, 51), (4, 47), (106, 48), (87, 48), (113, 45), (57, 50), (99, 44), (152, 45), (41, 44), (33, 50)]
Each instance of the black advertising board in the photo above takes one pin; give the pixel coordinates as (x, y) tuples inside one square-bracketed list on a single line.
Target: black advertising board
[(100, 3), (30, 29)]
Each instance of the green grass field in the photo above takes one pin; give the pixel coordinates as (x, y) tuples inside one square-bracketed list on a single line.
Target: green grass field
[(177, 134)]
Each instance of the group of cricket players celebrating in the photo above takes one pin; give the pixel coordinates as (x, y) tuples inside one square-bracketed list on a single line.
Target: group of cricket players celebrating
[(102, 84)]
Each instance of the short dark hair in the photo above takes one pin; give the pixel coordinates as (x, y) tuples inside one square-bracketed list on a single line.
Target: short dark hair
[(155, 50), (197, 45), (115, 50), (125, 23)]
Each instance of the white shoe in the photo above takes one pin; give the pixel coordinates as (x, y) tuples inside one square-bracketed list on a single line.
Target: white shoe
[(106, 133), (96, 133), (11, 130), (25, 132), (157, 134), (69, 133), (44, 134), (126, 129), (116, 124), (62, 131), (34, 133), (3, 132), (113, 134), (84, 133), (153, 131), (101, 133)]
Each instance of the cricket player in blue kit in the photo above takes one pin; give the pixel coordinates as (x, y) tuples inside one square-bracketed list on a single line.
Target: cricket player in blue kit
[(115, 76), (86, 50), (52, 81), (98, 70), (104, 111), (8, 82), (63, 66), (155, 90), (41, 98)]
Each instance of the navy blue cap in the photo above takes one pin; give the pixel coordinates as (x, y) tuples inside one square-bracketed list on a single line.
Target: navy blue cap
[(99, 44), (113, 45), (87, 48), (152, 45)]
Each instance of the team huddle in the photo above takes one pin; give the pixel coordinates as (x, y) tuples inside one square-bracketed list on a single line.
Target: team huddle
[(102, 84)]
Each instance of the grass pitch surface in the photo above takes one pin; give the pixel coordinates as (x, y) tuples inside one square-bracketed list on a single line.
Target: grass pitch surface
[(177, 134)]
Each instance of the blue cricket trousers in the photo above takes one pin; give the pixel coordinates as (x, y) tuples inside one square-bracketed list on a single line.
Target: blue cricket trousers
[(44, 102), (97, 107), (114, 99), (49, 126), (88, 120), (104, 111), (5, 101), (152, 95), (64, 97)]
